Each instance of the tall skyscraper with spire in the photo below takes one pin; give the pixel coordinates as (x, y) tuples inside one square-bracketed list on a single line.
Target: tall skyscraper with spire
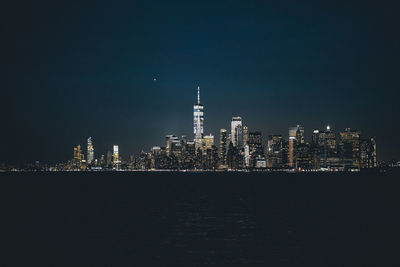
[(198, 121)]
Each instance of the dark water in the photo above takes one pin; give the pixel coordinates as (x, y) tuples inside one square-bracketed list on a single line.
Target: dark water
[(190, 219)]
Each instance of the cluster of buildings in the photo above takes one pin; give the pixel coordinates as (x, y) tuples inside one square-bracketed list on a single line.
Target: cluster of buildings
[(240, 148)]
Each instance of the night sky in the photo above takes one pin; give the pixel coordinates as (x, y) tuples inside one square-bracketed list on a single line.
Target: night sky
[(72, 70)]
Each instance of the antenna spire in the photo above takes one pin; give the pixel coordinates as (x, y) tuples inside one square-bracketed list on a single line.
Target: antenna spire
[(198, 95)]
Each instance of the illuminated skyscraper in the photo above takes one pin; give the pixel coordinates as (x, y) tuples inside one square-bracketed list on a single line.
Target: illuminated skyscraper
[(198, 121), (349, 148), (170, 142), (234, 158), (246, 156), (156, 150), (245, 135), (303, 156), (325, 147), (256, 149), (223, 145), (189, 155), (275, 151), (116, 159), (90, 151), (237, 132), (368, 153), (208, 141), (292, 143), (375, 162), (78, 155), (296, 136)]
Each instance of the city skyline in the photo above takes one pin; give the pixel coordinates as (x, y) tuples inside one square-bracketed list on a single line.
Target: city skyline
[(238, 137), (125, 74), (241, 149)]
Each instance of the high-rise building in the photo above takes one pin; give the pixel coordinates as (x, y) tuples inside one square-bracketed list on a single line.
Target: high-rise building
[(170, 142), (315, 137), (246, 156), (349, 149), (303, 156), (189, 155), (155, 157), (173, 147), (245, 135), (292, 143), (237, 132), (324, 144), (368, 153), (116, 159), (78, 155), (90, 151), (375, 161), (198, 121), (256, 149), (208, 141), (155, 150), (234, 158), (223, 146), (296, 136), (300, 134), (274, 151), (176, 150), (210, 158)]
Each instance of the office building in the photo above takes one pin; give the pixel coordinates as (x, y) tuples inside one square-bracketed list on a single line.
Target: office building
[(256, 149), (223, 146), (116, 158), (170, 141), (296, 136), (324, 147), (349, 149), (237, 132), (274, 151), (90, 151), (208, 141), (245, 135), (198, 122), (368, 153), (304, 156)]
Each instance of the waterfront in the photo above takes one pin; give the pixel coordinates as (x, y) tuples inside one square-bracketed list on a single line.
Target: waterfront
[(172, 218)]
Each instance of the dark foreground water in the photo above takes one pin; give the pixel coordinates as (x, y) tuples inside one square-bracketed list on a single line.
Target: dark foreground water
[(190, 219)]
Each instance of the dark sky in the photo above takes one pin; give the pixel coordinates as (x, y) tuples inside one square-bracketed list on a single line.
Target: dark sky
[(72, 70)]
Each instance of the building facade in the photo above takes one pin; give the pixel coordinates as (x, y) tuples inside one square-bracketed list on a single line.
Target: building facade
[(296, 136), (237, 132), (198, 122), (349, 149), (274, 151), (223, 147), (90, 151)]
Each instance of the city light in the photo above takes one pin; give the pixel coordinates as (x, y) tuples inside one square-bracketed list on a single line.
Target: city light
[(240, 150)]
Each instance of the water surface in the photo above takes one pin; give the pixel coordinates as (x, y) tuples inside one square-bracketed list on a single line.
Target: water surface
[(265, 219)]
